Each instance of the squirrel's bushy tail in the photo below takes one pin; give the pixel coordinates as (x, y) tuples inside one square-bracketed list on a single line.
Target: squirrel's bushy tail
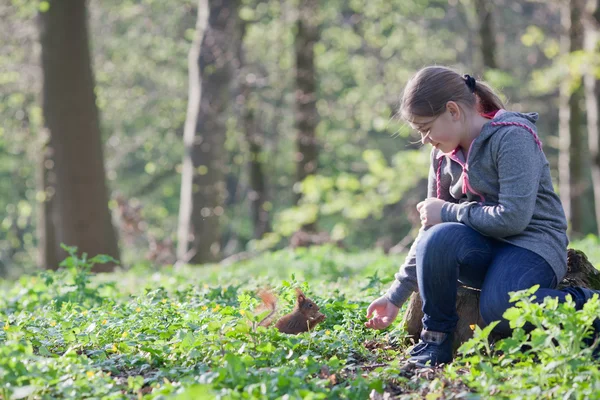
[(269, 302)]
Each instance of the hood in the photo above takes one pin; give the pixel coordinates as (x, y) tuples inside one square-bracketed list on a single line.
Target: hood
[(504, 118), (500, 121)]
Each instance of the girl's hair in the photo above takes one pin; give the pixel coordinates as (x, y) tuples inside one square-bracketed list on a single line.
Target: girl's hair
[(427, 93)]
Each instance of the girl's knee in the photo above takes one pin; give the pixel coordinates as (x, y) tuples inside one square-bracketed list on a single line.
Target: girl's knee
[(440, 236)]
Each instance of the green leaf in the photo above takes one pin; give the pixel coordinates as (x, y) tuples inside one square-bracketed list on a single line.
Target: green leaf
[(102, 259), (512, 313)]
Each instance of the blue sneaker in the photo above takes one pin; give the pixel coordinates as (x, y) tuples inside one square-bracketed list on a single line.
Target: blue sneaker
[(435, 348)]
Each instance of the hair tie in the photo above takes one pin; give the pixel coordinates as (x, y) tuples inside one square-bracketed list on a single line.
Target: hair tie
[(470, 81)]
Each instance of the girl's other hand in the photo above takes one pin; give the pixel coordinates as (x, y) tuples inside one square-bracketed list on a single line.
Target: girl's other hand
[(431, 211), (381, 313)]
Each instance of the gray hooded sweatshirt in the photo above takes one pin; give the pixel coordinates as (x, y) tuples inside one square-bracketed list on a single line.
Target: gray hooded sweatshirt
[(501, 188)]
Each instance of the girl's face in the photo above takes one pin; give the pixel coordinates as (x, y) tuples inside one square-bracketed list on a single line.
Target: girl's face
[(444, 132)]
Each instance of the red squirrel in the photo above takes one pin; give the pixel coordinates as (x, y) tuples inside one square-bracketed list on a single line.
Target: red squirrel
[(303, 318)]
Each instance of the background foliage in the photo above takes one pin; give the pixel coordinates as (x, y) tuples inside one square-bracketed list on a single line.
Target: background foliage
[(370, 171)]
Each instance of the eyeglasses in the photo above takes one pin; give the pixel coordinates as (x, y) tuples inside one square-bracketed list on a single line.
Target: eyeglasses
[(425, 136)]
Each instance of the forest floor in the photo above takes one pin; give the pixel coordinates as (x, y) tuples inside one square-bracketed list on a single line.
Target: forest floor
[(189, 333)]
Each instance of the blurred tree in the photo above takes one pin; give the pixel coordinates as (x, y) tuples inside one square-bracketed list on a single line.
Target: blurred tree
[(71, 118), (571, 162), (307, 116), (257, 193), (189, 134), (487, 37), (252, 126), (592, 92), (47, 214), (216, 60)]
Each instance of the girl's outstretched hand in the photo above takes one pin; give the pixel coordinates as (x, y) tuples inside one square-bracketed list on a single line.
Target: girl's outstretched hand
[(381, 313)]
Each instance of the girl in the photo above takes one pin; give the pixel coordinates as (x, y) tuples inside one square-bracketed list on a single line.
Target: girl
[(491, 219)]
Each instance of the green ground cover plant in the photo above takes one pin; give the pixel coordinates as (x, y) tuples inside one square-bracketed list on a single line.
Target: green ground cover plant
[(188, 333)]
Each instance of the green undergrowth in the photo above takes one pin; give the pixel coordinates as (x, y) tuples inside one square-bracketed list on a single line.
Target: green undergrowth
[(189, 333)]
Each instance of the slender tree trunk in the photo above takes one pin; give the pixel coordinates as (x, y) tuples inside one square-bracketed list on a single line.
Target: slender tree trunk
[(258, 186), (571, 183), (257, 194), (307, 116), (46, 182), (184, 234), (592, 91), (71, 117), (306, 110), (215, 62), (487, 37)]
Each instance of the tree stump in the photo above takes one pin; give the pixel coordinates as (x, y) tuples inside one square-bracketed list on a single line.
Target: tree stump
[(580, 272)]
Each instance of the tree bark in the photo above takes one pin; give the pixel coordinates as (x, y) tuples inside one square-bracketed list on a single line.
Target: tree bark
[(571, 182), (592, 103), (71, 117), (257, 193), (258, 183), (487, 37), (46, 183), (184, 233), (306, 97), (214, 64)]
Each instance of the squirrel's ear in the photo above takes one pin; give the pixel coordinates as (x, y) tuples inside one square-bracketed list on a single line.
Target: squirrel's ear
[(301, 297)]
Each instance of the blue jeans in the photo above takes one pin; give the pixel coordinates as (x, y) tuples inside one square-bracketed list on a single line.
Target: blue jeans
[(450, 254)]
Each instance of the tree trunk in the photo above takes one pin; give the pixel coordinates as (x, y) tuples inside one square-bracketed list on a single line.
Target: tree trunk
[(184, 234), (258, 186), (215, 62), (571, 182), (580, 272), (306, 97), (257, 194), (487, 38), (71, 117), (48, 247), (592, 91)]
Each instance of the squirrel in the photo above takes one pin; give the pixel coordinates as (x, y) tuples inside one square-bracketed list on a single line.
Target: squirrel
[(303, 318)]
